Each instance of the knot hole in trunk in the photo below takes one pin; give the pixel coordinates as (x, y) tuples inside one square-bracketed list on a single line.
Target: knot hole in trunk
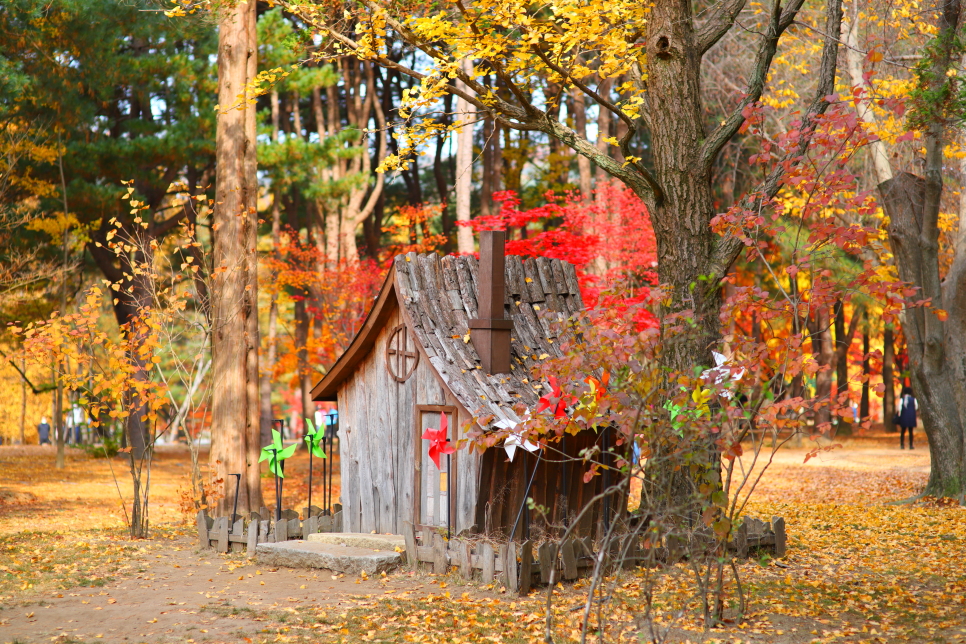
[(662, 47)]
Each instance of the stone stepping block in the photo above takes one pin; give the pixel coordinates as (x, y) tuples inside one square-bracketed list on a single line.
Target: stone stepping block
[(338, 558), (379, 542)]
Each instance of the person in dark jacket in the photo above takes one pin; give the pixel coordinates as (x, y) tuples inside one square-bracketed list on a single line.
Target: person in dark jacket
[(43, 432), (906, 416)]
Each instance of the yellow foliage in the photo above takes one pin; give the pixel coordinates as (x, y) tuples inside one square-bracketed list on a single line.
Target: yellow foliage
[(55, 225)]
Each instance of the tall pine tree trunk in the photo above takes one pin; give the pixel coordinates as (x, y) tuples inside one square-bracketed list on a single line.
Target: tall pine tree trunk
[(235, 430)]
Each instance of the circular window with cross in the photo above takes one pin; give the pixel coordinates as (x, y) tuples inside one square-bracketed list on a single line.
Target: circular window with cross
[(401, 354)]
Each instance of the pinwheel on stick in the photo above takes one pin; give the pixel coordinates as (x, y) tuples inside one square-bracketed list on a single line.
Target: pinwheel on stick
[(275, 454), (313, 438)]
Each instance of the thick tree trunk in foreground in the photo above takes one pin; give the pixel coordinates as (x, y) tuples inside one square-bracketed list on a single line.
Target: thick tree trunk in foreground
[(235, 430), (935, 335), (935, 347)]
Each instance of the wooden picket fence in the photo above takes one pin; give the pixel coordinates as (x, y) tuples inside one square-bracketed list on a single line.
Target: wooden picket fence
[(520, 566), (241, 533)]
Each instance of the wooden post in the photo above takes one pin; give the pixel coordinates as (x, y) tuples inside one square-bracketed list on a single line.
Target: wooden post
[(586, 547), (569, 556), (526, 568), (440, 564), (222, 530), (237, 530), (488, 563), (252, 537), (510, 570), (741, 540), (545, 553), (466, 558), (310, 526), (412, 556), (203, 529), (781, 543)]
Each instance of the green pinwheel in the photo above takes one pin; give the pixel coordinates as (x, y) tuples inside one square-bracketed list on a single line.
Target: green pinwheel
[(314, 438), (276, 453)]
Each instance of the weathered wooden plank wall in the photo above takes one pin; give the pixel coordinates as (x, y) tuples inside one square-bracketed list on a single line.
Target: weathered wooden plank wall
[(376, 416), (558, 486)]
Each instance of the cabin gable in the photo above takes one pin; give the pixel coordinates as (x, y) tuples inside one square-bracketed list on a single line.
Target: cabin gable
[(379, 437)]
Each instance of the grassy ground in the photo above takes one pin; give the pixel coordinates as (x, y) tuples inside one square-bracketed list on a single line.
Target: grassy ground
[(858, 569)]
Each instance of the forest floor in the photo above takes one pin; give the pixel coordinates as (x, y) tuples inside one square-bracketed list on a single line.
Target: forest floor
[(858, 569)]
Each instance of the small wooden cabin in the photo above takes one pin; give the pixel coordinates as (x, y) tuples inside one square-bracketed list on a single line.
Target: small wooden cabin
[(451, 335)]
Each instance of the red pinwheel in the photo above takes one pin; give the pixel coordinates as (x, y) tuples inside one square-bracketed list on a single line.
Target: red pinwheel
[(437, 440), (555, 399)]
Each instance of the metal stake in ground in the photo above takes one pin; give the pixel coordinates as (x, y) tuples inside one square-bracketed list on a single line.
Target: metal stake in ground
[(278, 492), (234, 509)]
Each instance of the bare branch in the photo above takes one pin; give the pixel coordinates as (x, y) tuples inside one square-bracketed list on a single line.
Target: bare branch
[(721, 20), (779, 21), (727, 249)]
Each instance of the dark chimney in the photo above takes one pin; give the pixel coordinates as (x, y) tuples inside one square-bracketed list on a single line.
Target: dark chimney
[(491, 332)]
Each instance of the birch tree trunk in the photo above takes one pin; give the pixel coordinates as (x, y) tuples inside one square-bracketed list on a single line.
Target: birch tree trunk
[(235, 429), (466, 113)]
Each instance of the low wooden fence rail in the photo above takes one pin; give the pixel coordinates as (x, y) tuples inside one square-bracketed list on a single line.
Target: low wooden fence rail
[(244, 533), (520, 566)]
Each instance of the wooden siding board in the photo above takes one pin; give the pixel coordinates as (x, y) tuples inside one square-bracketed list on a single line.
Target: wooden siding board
[(366, 488)]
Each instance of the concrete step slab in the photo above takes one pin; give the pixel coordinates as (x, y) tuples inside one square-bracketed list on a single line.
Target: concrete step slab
[(335, 557), (361, 540)]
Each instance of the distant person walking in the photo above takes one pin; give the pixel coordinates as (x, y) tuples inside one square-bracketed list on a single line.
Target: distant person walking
[(906, 416), (43, 431)]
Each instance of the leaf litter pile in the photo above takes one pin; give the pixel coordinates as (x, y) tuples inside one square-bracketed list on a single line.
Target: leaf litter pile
[(858, 569)]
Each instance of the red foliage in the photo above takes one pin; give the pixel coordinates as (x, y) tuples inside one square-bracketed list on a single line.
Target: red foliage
[(609, 240)]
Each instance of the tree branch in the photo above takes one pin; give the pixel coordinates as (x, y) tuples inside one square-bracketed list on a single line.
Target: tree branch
[(721, 20), (727, 248), (778, 23), (34, 388)]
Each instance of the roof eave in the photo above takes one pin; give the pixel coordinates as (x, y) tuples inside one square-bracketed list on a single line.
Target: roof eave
[(328, 388)]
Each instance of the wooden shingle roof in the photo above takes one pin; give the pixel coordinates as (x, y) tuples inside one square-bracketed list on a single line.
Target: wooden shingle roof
[(438, 295)]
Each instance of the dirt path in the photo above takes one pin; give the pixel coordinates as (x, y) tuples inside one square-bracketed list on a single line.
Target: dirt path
[(177, 593)]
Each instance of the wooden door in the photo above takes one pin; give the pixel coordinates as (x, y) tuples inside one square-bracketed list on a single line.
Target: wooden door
[(435, 486)]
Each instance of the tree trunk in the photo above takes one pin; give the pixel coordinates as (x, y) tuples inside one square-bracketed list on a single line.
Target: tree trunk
[(466, 113), (866, 374), (302, 323), (235, 430), (268, 368), (843, 342), (913, 234), (822, 348), (580, 127), (23, 402), (935, 335), (57, 422), (888, 379)]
